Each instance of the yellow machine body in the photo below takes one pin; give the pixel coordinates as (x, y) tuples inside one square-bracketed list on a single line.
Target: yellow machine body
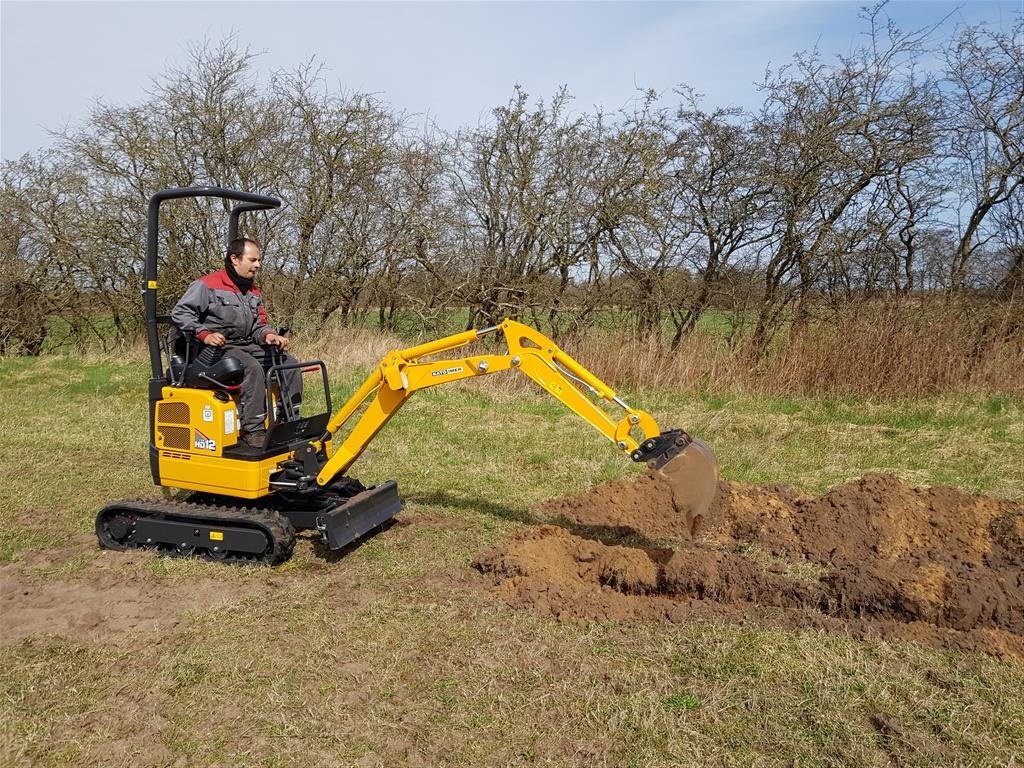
[(193, 427), (191, 430)]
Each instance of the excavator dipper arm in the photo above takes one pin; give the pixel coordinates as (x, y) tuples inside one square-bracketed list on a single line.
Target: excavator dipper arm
[(402, 372)]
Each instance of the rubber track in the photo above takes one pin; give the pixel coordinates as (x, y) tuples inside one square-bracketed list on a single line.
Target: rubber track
[(275, 526)]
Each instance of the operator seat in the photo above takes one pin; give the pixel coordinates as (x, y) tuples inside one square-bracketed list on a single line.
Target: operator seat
[(210, 369)]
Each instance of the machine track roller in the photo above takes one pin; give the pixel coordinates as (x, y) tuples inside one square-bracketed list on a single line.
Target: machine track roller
[(184, 529)]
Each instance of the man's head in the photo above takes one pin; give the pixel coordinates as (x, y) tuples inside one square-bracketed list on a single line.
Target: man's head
[(245, 256)]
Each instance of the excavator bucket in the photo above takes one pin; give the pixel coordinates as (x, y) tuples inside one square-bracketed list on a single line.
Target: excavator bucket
[(691, 470), (693, 477)]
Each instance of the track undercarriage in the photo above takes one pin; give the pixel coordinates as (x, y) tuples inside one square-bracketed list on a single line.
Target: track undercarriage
[(259, 532)]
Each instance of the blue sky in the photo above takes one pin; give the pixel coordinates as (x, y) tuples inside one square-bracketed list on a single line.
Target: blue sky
[(453, 62)]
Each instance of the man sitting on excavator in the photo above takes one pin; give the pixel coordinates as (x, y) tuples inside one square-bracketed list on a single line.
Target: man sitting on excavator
[(224, 309)]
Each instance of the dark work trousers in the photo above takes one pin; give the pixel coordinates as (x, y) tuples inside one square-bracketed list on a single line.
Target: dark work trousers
[(257, 359)]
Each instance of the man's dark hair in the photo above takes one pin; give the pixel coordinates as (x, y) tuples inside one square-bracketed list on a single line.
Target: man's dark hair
[(237, 246)]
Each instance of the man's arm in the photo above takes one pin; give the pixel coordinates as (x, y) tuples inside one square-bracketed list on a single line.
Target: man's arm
[(190, 307)]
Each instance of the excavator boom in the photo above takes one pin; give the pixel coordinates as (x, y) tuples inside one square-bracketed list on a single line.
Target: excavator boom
[(690, 466)]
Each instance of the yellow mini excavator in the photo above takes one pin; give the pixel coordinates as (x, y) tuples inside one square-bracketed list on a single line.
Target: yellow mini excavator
[(246, 503)]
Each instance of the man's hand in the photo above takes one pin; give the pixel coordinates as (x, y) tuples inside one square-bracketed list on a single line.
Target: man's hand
[(278, 341), (215, 339)]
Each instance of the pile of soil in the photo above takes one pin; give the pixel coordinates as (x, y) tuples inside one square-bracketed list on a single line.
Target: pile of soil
[(874, 558)]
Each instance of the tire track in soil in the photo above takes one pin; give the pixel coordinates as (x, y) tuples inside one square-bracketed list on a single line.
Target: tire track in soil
[(874, 557)]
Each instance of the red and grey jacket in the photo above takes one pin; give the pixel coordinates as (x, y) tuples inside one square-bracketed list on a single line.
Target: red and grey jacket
[(214, 304)]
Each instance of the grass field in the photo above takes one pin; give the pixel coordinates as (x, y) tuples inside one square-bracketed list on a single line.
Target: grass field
[(397, 655)]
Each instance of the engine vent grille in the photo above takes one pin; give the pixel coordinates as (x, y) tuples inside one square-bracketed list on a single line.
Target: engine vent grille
[(172, 413), (176, 437), (173, 455)]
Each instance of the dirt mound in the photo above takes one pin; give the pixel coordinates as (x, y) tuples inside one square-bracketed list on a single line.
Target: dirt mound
[(873, 557)]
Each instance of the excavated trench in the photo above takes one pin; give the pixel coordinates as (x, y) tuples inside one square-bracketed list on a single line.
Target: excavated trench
[(874, 557)]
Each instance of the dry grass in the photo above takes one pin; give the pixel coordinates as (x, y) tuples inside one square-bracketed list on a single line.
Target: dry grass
[(343, 347), (905, 348), (886, 348)]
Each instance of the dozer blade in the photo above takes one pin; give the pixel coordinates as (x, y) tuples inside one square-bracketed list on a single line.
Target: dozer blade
[(691, 470), (359, 515)]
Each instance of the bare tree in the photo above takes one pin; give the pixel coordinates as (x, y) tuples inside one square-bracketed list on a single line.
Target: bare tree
[(524, 191), (913, 198), (45, 289), (417, 214), (637, 210), (1010, 220), (985, 77), (206, 123), (721, 197), (336, 156), (829, 134)]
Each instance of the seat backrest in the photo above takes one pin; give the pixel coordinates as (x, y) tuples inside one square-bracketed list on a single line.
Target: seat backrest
[(177, 341)]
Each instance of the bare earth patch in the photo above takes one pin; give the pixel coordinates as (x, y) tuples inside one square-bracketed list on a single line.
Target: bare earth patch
[(933, 565), (115, 593)]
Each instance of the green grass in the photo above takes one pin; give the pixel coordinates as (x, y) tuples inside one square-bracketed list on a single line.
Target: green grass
[(395, 655)]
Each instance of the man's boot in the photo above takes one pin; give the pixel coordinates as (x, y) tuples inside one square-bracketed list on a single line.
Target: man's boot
[(254, 439)]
